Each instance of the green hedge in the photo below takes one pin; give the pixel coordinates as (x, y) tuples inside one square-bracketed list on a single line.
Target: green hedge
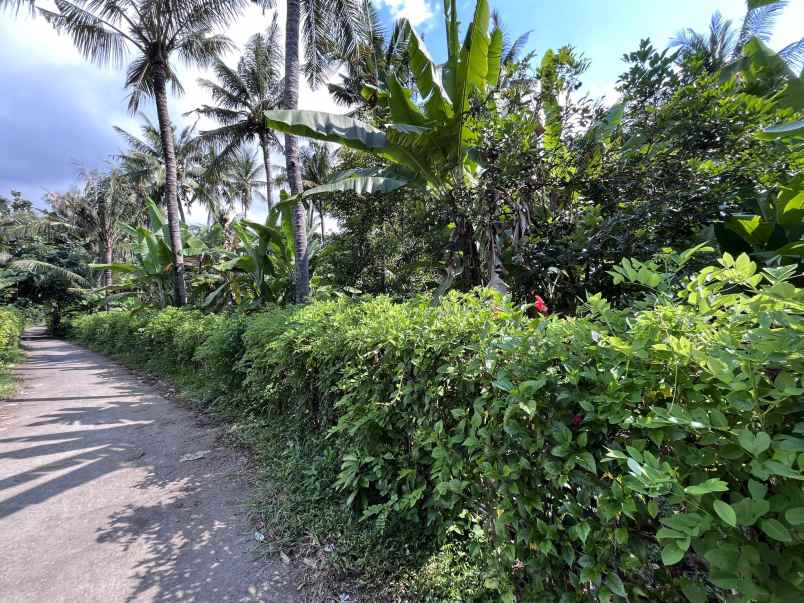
[(11, 326), (655, 451)]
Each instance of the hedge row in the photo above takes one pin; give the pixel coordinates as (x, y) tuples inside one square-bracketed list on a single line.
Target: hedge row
[(11, 326), (655, 451)]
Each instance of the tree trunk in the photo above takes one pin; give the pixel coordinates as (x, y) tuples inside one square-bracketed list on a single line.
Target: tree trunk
[(107, 274), (171, 200), (107, 259), (266, 159), (292, 161), (181, 210)]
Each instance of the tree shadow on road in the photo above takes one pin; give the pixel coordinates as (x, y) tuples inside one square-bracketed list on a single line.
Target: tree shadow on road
[(185, 524)]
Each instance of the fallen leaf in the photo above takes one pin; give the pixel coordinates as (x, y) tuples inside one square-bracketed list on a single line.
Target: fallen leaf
[(194, 456)]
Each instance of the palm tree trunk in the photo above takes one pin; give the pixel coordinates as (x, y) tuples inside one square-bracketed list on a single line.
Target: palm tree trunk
[(171, 200), (266, 159), (181, 211), (292, 162), (107, 259), (107, 274)]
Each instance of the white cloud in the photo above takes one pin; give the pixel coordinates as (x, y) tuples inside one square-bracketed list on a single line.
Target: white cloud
[(415, 11), (100, 94)]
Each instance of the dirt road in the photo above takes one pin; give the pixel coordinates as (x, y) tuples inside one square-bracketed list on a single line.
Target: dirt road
[(96, 504)]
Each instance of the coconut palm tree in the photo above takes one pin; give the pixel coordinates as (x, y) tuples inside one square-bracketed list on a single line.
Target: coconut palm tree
[(725, 39), (241, 97), (377, 56), (156, 32), (243, 176), (99, 211), (327, 25), (144, 161), (318, 167)]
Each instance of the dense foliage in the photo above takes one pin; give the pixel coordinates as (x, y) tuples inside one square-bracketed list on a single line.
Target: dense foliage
[(643, 439), (11, 324), (650, 450)]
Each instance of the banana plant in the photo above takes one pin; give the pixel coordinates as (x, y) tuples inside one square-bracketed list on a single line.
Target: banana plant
[(151, 270), (427, 143), (260, 269)]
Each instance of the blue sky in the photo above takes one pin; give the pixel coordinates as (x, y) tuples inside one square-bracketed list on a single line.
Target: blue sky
[(57, 111)]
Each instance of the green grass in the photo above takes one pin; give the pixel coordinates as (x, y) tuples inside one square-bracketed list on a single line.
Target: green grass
[(8, 383)]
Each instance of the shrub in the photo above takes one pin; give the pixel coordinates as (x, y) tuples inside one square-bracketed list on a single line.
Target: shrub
[(651, 451), (11, 326)]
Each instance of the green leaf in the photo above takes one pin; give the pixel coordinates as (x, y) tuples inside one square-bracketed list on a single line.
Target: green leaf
[(695, 593), (795, 128), (671, 554), (587, 461), (615, 585), (755, 444), (749, 510), (437, 102), (582, 531), (757, 489), (774, 529), (725, 512), (710, 485), (330, 127), (790, 207), (358, 184), (494, 57), (751, 228), (473, 61), (400, 102), (795, 516)]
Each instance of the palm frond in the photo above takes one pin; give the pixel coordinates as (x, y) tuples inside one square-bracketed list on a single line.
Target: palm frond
[(39, 267)]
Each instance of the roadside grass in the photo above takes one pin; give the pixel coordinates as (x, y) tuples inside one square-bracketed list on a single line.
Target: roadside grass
[(8, 382)]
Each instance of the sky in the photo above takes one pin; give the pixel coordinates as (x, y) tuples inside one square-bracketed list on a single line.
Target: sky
[(57, 110)]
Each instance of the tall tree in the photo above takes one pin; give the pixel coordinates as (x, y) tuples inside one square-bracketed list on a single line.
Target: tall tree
[(156, 31), (99, 211), (327, 25), (725, 39), (378, 56), (241, 97), (242, 177), (318, 167), (144, 162)]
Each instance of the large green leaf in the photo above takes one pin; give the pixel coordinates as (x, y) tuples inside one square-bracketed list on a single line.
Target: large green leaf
[(400, 102), (473, 64), (495, 57), (359, 184), (428, 80), (790, 207), (125, 268), (789, 130), (752, 229), (453, 45), (329, 127)]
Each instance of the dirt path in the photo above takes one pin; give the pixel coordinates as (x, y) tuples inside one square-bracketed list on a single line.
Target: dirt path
[(95, 504)]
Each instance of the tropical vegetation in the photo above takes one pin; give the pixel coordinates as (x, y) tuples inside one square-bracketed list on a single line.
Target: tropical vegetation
[(492, 339)]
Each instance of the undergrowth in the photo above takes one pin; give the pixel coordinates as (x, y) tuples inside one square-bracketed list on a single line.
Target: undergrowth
[(472, 450)]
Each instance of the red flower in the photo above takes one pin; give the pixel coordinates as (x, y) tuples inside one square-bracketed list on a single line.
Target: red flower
[(577, 420), (540, 306)]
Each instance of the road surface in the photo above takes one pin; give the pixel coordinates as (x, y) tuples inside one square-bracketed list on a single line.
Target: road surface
[(96, 504)]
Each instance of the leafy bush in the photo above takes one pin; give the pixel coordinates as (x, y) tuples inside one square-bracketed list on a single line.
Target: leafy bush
[(651, 451), (11, 325)]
